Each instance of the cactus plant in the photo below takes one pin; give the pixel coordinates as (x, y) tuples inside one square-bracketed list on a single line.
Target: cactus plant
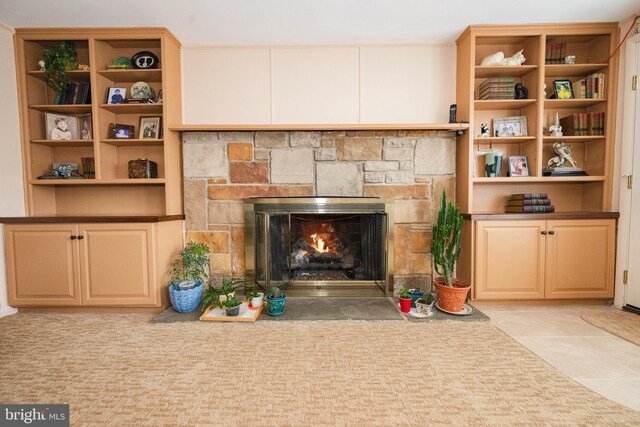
[(275, 293), (445, 246)]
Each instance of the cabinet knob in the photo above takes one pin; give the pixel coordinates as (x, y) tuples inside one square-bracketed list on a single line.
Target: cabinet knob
[(73, 237), (544, 233), (80, 237), (552, 232)]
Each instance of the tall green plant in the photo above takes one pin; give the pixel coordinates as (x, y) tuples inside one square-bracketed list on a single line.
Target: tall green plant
[(57, 60), (445, 246), (192, 263)]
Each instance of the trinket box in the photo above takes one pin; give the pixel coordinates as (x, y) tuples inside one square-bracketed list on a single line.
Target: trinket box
[(143, 168)]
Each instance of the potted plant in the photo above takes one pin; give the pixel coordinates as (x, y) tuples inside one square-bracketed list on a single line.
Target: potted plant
[(416, 294), (213, 296), (424, 305), (188, 275), (405, 300), (445, 249), (255, 299), (58, 59), (231, 305), (276, 299)]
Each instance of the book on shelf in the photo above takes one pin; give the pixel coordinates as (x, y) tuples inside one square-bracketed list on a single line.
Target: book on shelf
[(583, 124), (591, 87), (518, 196), (529, 202), (74, 93), (555, 53), (530, 209)]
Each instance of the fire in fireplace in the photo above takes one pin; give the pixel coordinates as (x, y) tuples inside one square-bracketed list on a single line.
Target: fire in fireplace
[(319, 246)]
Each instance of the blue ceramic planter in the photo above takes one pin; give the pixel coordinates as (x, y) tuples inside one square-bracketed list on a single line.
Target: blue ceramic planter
[(275, 307), (186, 300)]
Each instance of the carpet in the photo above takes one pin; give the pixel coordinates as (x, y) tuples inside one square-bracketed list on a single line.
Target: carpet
[(334, 308), (617, 322), (121, 369)]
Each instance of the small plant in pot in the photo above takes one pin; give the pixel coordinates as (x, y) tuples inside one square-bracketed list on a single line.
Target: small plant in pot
[(231, 305), (416, 294), (188, 275), (424, 305), (255, 299), (445, 249), (213, 296), (276, 299), (405, 300)]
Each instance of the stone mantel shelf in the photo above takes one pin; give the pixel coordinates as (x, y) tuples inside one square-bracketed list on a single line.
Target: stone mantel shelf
[(372, 126)]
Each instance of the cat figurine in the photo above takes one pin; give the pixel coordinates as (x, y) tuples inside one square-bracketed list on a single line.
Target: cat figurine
[(499, 59)]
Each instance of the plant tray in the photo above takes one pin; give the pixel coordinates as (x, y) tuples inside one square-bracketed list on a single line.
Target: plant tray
[(217, 314)]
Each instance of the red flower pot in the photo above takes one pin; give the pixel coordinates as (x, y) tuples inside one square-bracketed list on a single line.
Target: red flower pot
[(405, 305)]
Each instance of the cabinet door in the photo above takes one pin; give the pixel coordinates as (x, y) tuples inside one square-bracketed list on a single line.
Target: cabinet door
[(580, 259), (42, 266), (509, 260), (117, 263)]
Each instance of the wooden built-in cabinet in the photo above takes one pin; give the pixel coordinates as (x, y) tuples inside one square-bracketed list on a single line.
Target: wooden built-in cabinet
[(105, 241), (536, 259), (511, 259), (103, 264)]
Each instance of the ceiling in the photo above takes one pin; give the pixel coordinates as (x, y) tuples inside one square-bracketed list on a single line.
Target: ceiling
[(299, 22)]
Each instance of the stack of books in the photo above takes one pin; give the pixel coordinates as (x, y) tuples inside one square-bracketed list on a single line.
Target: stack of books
[(530, 203), (555, 53), (583, 124), (591, 87), (497, 88)]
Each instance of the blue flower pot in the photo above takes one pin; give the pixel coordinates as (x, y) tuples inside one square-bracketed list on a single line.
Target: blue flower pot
[(185, 300), (416, 294), (275, 306)]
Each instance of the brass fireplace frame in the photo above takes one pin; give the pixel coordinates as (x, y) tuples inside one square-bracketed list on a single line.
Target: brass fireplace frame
[(319, 205)]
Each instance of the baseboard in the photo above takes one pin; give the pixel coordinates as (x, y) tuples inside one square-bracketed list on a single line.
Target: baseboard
[(631, 309)]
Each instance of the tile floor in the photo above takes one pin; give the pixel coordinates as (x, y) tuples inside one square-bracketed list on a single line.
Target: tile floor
[(603, 362)]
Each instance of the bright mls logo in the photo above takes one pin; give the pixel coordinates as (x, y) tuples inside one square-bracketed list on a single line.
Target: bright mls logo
[(34, 415)]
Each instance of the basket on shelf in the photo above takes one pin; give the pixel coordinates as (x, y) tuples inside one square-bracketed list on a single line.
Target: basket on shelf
[(185, 300)]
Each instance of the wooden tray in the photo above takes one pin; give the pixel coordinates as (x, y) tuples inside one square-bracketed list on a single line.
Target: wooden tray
[(217, 314)]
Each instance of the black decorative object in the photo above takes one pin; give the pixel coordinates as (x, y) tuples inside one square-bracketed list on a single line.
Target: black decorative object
[(452, 113), (145, 60), (521, 92)]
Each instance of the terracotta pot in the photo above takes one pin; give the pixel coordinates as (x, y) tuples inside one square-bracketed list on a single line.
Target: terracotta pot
[(451, 298)]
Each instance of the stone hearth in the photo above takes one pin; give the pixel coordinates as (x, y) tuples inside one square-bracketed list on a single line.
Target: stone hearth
[(223, 168)]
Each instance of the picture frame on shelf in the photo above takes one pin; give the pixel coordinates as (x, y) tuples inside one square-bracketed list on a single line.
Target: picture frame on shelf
[(149, 127), (85, 127), (116, 95), (118, 131), (61, 126), (518, 166), (510, 126), (563, 89)]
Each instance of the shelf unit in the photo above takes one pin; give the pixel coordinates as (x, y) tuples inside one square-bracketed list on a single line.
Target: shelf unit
[(582, 217), (592, 44), (111, 192)]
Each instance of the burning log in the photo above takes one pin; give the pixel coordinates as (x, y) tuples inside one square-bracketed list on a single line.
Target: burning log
[(307, 247)]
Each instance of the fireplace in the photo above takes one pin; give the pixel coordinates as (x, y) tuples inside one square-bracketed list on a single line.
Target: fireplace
[(325, 246)]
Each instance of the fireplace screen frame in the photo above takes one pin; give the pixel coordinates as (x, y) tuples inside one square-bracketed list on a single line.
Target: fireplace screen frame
[(265, 207)]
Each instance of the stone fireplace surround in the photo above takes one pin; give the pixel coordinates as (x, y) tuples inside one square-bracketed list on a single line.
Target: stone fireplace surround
[(412, 167)]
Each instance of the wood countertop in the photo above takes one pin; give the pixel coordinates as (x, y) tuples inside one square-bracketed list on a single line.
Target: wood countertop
[(88, 219)]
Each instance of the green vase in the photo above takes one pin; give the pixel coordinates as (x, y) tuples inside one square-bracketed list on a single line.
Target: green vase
[(275, 307)]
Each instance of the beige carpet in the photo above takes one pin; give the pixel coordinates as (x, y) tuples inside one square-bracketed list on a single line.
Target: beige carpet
[(617, 322), (122, 370)]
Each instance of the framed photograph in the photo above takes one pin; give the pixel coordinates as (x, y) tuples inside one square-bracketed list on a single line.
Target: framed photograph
[(61, 126), (149, 128), (116, 95), (117, 131), (510, 126), (518, 166), (84, 126), (563, 89)]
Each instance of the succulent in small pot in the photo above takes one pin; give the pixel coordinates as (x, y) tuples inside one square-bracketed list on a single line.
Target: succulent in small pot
[(424, 305), (405, 300), (255, 299), (276, 300), (231, 305)]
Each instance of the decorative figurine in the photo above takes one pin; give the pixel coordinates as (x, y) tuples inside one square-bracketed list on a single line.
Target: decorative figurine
[(484, 130), (41, 65), (521, 92), (563, 152), (555, 129), (571, 59), (499, 59)]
